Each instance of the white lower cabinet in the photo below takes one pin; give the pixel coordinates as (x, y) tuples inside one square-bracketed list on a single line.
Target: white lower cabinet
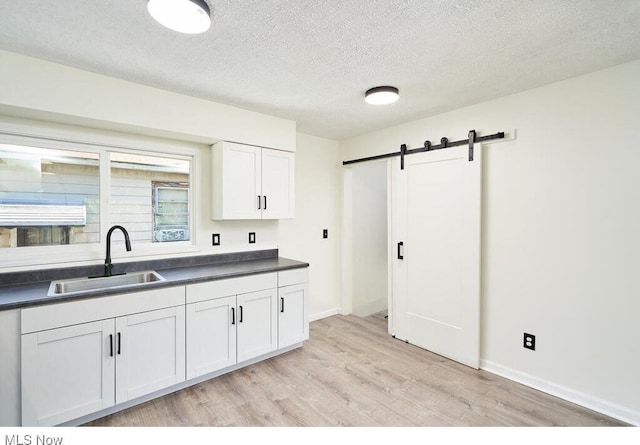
[(211, 336), (293, 326), (67, 373), (150, 352), (224, 329), (257, 324), (293, 316), (75, 370), (81, 357), (235, 320)]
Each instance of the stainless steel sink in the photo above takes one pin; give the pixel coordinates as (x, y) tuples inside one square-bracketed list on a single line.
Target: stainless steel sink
[(78, 285)]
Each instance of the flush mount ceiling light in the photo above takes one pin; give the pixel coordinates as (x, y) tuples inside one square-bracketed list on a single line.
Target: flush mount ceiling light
[(186, 16), (381, 95)]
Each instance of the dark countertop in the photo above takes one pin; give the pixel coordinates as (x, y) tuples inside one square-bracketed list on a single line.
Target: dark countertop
[(22, 292)]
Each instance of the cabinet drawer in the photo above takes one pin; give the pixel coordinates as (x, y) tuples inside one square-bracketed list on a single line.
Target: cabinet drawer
[(82, 311), (293, 276), (231, 286)]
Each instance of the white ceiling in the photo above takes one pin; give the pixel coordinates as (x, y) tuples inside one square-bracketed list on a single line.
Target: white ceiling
[(311, 61)]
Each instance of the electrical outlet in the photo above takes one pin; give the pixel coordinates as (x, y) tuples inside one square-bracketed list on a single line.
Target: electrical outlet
[(252, 237), (325, 233), (215, 239), (529, 341)]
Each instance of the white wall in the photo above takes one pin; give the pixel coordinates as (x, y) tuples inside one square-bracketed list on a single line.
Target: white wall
[(318, 171), (37, 89), (560, 243)]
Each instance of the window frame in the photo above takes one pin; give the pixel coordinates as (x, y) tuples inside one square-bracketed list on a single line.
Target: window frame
[(102, 143)]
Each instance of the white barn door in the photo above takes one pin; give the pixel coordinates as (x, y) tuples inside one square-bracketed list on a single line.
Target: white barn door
[(436, 272)]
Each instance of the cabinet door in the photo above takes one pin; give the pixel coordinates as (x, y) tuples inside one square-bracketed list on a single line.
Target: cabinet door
[(211, 335), (241, 176), (293, 324), (257, 324), (278, 183), (150, 352), (67, 373)]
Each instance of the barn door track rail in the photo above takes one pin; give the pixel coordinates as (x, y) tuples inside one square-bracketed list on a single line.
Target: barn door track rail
[(444, 143)]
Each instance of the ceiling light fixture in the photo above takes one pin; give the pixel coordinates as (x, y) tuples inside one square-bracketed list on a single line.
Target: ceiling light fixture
[(381, 95), (186, 16)]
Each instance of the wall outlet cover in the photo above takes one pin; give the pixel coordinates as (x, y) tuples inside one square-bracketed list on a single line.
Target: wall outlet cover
[(529, 341)]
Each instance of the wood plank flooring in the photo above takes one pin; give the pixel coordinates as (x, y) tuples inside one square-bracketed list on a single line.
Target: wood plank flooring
[(352, 373)]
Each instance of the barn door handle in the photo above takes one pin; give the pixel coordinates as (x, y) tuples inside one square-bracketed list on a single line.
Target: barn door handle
[(400, 255)]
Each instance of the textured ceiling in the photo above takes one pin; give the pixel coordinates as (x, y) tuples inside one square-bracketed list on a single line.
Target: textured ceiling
[(311, 61)]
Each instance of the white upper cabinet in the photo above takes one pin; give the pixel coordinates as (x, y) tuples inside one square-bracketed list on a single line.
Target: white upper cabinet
[(251, 182), (237, 181), (278, 184)]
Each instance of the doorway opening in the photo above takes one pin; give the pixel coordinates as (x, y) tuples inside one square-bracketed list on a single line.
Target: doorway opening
[(366, 225)]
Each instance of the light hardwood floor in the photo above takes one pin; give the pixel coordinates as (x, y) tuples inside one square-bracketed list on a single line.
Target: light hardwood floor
[(352, 373)]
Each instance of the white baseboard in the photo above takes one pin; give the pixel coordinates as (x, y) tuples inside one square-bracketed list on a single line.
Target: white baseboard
[(602, 406), (325, 314)]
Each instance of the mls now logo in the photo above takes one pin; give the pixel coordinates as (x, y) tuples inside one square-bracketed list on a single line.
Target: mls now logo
[(28, 439)]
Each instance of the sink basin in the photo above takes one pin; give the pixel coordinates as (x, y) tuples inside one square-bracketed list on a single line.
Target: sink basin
[(78, 285)]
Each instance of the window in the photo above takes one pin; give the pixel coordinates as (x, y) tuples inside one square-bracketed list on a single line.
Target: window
[(48, 196), (65, 196), (150, 197)]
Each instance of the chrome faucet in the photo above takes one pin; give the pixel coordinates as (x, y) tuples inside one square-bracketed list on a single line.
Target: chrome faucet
[(107, 261)]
